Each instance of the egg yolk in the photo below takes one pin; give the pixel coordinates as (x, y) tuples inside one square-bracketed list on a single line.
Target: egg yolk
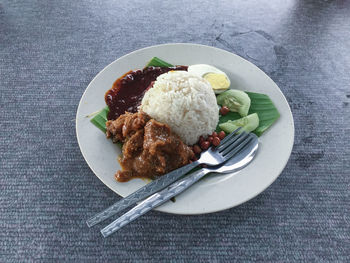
[(217, 81)]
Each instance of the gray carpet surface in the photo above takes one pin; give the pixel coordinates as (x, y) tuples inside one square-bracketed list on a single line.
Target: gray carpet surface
[(51, 50)]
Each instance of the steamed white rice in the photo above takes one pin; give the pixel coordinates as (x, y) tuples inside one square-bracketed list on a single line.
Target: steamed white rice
[(185, 102)]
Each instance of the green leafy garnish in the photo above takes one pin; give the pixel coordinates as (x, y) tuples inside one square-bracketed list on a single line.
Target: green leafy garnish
[(157, 62), (100, 119), (266, 110)]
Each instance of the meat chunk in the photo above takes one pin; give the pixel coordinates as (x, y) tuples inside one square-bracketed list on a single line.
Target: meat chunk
[(126, 125), (164, 147), (150, 148)]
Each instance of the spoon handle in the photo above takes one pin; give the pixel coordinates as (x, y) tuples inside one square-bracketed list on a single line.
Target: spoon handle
[(141, 193), (154, 201)]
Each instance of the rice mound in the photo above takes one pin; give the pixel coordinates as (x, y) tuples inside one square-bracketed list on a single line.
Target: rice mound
[(185, 102)]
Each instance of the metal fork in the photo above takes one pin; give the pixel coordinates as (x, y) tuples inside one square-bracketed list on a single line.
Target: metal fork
[(248, 149), (211, 157)]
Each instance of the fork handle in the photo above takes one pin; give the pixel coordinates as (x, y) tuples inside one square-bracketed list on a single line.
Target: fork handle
[(154, 201), (142, 193)]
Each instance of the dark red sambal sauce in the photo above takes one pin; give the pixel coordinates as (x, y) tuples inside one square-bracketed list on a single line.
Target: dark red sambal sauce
[(127, 92)]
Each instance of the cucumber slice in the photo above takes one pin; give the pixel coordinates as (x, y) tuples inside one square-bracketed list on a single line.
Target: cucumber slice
[(235, 100), (248, 124)]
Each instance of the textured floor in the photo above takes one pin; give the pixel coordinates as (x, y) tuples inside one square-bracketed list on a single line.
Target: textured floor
[(51, 50)]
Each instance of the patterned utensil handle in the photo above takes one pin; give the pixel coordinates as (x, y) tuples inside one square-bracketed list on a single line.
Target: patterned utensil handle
[(142, 193), (154, 201)]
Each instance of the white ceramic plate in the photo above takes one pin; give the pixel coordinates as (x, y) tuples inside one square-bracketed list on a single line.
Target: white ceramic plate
[(214, 193)]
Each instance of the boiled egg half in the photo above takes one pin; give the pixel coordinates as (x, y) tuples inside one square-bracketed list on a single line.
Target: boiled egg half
[(218, 79)]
